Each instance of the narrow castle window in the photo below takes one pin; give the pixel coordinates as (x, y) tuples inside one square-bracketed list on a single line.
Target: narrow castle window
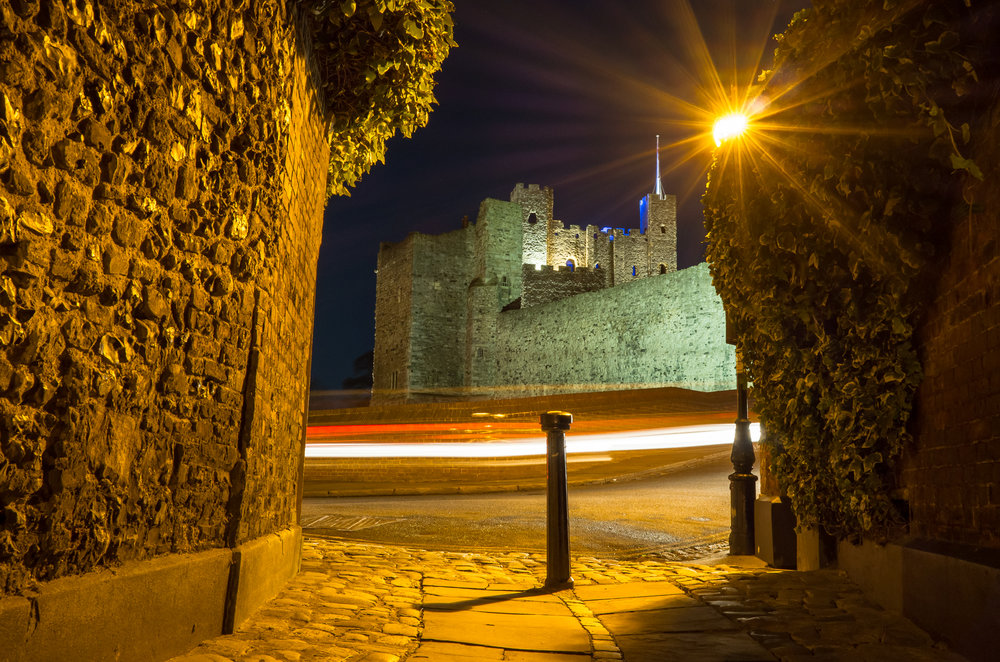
[(663, 269), (394, 379), (504, 281), (663, 229), (480, 352), (633, 269), (571, 265), (597, 265), (532, 218)]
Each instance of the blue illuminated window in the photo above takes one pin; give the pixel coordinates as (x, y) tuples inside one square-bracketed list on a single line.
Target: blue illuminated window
[(633, 269)]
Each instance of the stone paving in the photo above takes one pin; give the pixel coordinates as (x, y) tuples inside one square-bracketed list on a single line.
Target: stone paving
[(378, 603)]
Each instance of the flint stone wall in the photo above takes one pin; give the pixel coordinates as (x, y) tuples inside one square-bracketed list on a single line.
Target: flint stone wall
[(665, 330), (541, 286), (162, 174)]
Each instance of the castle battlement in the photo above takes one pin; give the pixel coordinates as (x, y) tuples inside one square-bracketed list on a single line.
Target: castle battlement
[(530, 187)]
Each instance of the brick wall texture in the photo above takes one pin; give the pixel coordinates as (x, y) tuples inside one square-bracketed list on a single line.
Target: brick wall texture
[(952, 475), (162, 174)]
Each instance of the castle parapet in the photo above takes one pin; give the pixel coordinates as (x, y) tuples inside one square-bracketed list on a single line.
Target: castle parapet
[(520, 186)]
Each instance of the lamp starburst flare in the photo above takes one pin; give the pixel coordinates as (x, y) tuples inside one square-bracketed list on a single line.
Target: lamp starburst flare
[(729, 126)]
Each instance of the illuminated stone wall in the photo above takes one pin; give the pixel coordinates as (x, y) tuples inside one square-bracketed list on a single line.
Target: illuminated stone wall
[(568, 243), (393, 303), (439, 298), (536, 203), (550, 284), (162, 173), (629, 256), (663, 331)]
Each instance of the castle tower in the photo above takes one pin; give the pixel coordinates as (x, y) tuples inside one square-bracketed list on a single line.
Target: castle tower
[(536, 208), (658, 222), (496, 283)]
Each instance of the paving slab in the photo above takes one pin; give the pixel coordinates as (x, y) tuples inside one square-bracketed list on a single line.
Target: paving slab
[(626, 590), (515, 631), (529, 656), (682, 619), (650, 603), (444, 650), (533, 591), (499, 602), (690, 646)]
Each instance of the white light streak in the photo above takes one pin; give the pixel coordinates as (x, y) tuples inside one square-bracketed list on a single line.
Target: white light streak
[(662, 438)]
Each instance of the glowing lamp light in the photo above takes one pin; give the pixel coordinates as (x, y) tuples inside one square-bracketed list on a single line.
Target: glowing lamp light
[(728, 127)]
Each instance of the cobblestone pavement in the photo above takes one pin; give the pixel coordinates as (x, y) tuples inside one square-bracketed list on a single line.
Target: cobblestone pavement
[(378, 603)]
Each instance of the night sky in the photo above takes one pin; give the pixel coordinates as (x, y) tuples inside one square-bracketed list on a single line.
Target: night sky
[(567, 94)]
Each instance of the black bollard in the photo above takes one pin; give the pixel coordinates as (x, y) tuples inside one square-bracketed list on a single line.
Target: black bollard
[(555, 424)]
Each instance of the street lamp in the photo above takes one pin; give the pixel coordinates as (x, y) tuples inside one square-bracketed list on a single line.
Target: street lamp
[(729, 126), (742, 482)]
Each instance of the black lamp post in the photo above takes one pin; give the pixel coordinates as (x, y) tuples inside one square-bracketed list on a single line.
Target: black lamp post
[(742, 482)]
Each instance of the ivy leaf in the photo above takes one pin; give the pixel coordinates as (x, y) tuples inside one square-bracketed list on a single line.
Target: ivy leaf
[(413, 29), (960, 163), (871, 460)]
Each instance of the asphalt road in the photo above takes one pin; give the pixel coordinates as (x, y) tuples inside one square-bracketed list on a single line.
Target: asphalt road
[(682, 515)]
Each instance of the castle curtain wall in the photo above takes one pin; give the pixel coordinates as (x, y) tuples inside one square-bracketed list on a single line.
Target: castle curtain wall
[(161, 193), (661, 331)]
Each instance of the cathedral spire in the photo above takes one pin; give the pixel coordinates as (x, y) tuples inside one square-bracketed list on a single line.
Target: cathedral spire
[(658, 189)]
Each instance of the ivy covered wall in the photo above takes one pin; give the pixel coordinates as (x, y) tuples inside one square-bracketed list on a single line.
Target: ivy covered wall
[(825, 225)]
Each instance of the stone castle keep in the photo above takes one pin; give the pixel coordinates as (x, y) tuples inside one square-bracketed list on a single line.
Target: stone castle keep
[(521, 304)]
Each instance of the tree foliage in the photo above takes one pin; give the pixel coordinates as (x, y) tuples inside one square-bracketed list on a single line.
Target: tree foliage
[(378, 59), (820, 227)]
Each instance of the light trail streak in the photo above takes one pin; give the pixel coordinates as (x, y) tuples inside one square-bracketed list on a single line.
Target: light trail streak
[(661, 438)]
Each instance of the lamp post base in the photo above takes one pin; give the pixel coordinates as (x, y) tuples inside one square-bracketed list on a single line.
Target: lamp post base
[(743, 493)]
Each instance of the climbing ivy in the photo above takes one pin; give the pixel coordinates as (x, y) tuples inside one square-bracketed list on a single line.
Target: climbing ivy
[(378, 59), (821, 223)]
